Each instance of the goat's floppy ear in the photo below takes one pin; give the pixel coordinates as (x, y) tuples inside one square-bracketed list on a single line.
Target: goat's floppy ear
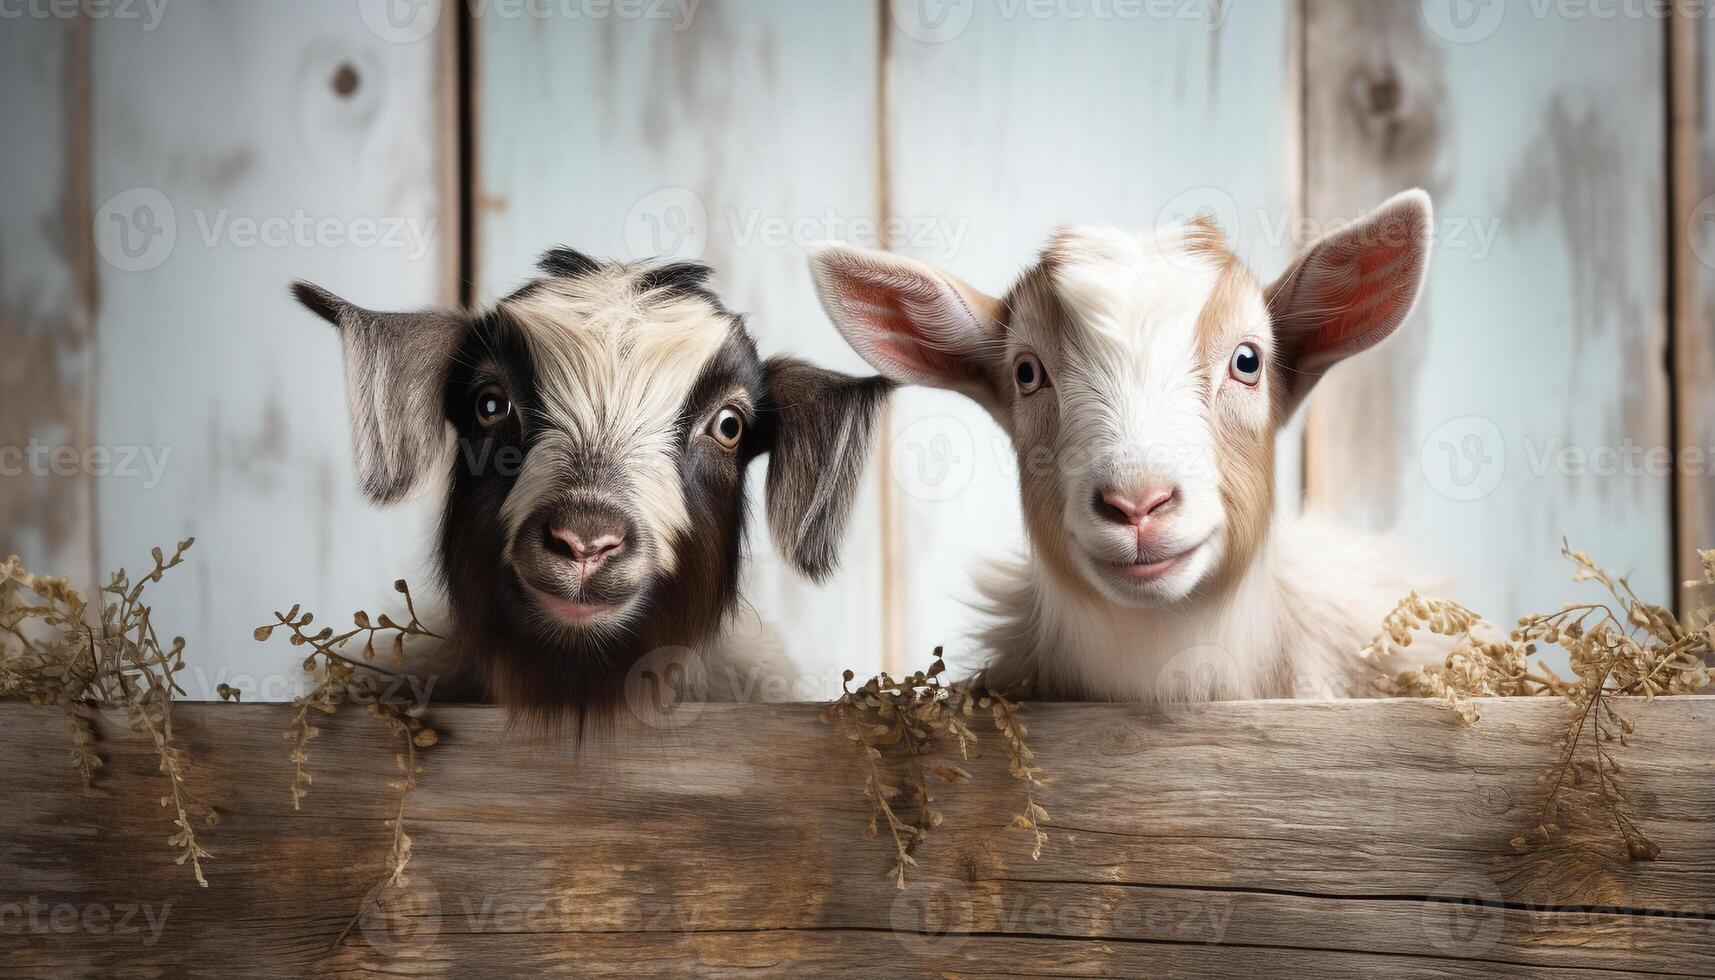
[(911, 321), (1350, 289), (395, 379), (822, 424)]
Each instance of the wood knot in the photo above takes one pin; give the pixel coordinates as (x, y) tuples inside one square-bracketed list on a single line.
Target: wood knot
[(1492, 799), (1382, 94), (345, 80), (1392, 112), (1120, 741)]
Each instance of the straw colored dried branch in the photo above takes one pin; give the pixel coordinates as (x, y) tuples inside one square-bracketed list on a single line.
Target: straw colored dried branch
[(910, 712), (386, 694), (1620, 647), (52, 654)]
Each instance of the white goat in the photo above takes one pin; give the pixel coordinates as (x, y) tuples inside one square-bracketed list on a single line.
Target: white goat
[(1142, 379)]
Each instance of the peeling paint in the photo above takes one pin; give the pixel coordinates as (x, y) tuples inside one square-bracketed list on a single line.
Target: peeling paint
[(1575, 179), (1373, 127)]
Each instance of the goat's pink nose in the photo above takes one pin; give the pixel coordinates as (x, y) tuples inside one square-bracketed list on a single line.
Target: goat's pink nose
[(588, 555), (1136, 507)]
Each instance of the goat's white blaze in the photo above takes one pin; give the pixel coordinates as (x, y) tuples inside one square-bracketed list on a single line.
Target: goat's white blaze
[(613, 368), (1135, 392)]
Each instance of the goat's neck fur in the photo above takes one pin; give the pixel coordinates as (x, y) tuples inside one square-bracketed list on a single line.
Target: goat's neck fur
[(1290, 624)]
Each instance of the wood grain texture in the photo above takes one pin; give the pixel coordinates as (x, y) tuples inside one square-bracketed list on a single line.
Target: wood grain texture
[(1006, 121), (268, 143), (1691, 96), (1231, 840), (731, 131), (1527, 398), (47, 343)]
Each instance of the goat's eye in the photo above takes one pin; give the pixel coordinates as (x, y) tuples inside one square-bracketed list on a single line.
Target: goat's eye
[(1246, 366), (492, 406), (727, 427), (1027, 371)]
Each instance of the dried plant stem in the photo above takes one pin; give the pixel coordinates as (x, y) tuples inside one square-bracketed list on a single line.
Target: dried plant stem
[(340, 678), (879, 791), (908, 712), (116, 660), (1625, 647)]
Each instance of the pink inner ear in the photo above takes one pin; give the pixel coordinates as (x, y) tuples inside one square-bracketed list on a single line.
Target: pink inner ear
[(896, 334), (1363, 297)]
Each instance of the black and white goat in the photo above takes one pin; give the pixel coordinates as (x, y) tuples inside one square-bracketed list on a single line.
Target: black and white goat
[(1142, 379), (597, 425)]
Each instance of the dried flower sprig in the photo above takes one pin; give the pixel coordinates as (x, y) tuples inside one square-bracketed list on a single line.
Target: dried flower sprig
[(1623, 647), (51, 654), (1006, 722), (340, 678), (909, 712)]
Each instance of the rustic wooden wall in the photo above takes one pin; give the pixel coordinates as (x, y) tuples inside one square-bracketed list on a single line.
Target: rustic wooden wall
[(1551, 337), (1356, 839), (743, 132), (1692, 243), (268, 142), (47, 295)]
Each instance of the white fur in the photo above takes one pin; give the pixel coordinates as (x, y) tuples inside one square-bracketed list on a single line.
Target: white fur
[(1291, 628), (748, 664)]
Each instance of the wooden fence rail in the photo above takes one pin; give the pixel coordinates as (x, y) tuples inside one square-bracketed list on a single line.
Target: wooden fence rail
[(1237, 840)]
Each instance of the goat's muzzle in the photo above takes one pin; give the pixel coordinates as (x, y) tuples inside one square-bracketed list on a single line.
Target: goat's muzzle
[(579, 560)]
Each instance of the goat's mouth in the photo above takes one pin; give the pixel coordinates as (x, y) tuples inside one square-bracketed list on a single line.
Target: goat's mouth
[(1148, 575), (587, 610), (1145, 570)]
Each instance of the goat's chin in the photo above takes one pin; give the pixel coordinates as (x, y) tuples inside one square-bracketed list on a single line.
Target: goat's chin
[(1168, 579)]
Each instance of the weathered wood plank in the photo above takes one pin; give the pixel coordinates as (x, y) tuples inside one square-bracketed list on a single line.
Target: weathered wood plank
[(992, 143), (238, 147), (739, 133), (47, 348), (1692, 95), (1356, 838), (1528, 397)]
